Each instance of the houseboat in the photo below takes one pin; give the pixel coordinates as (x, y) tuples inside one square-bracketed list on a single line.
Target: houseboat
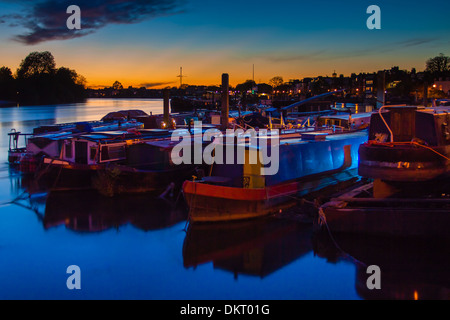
[(308, 161), (27, 149), (117, 162), (407, 162)]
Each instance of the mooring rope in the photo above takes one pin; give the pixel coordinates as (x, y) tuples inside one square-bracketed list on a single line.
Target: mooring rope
[(192, 204), (323, 222), (14, 201), (385, 123)]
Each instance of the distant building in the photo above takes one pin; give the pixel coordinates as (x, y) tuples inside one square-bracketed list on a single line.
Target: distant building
[(442, 85), (369, 86)]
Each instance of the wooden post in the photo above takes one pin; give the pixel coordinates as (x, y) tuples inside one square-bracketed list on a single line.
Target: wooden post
[(166, 96), (225, 101)]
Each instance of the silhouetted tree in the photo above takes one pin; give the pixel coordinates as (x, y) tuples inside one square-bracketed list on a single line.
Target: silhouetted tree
[(246, 86), (68, 85), (7, 84), (5, 74), (36, 63), (438, 65), (117, 85), (39, 82), (276, 81)]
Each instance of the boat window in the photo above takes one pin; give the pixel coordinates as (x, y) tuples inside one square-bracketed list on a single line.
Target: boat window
[(68, 149), (117, 152), (93, 153), (105, 154), (111, 153)]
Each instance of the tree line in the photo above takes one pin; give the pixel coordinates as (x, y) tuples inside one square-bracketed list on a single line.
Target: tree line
[(37, 81)]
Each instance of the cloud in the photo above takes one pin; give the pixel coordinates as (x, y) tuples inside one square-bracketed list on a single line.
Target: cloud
[(45, 20), (155, 84), (415, 42)]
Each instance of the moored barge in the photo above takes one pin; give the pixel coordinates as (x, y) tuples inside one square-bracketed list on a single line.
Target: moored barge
[(407, 158), (27, 149), (308, 162), (407, 144), (115, 162)]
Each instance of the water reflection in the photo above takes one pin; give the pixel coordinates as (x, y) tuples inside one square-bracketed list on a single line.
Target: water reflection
[(85, 211), (254, 247), (89, 211), (279, 250), (411, 268)]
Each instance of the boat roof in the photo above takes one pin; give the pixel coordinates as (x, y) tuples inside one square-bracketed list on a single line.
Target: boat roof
[(437, 110), (163, 144), (434, 110), (346, 116), (125, 135), (307, 137)]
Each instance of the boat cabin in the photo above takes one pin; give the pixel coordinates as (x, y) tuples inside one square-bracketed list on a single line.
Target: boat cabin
[(104, 147), (408, 123), (358, 120)]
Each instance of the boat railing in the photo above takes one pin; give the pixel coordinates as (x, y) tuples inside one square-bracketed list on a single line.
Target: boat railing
[(14, 140), (338, 128)]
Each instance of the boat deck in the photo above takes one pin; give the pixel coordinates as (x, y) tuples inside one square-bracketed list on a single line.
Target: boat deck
[(357, 211)]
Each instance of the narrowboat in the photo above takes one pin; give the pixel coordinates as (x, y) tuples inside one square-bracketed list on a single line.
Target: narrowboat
[(26, 150), (308, 161), (116, 162)]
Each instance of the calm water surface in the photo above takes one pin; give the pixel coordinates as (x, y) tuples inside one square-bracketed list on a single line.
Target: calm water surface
[(137, 248)]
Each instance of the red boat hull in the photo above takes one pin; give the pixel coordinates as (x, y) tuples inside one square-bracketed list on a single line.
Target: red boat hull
[(210, 203)]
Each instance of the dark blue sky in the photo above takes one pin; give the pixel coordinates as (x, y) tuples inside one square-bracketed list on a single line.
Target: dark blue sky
[(146, 42)]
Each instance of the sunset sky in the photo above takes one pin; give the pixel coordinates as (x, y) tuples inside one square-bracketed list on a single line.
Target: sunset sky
[(144, 43)]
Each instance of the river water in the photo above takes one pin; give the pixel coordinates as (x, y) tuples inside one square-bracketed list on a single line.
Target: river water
[(137, 247)]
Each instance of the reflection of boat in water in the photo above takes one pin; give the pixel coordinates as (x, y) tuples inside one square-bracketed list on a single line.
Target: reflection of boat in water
[(411, 268), (253, 247), (86, 211)]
